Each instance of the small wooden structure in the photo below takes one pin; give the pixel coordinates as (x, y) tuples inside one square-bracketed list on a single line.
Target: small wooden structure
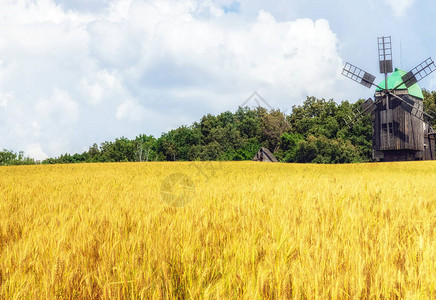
[(429, 144), (264, 155)]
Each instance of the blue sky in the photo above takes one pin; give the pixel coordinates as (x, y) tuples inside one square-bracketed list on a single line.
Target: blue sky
[(77, 72)]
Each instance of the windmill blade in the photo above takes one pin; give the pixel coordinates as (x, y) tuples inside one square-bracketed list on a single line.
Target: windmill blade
[(409, 105), (418, 73), (385, 54), (368, 107), (365, 109), (432, 113), (358, 75)]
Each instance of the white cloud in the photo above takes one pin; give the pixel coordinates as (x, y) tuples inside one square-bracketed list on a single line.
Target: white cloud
[(80, 75), (400, 6), (170, 47), (5, 98), (59, 108), (35, 151), (100, 86), (130, 110), (36, 128)]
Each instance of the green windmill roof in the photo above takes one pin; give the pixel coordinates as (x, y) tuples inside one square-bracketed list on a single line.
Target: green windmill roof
[(395, 79)]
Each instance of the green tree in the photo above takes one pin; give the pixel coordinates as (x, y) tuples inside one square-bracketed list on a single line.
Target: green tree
[(288, 147), (122, 150), (8, 158), (143, 146), (273, 125), (324, 150), (248, 123), (430, 105), (177, 143)]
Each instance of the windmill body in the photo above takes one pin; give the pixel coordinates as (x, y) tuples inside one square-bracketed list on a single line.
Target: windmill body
[(401, 130), (405, 139)]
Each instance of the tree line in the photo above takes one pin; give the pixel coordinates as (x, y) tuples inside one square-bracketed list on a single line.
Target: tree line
[(314, 132)]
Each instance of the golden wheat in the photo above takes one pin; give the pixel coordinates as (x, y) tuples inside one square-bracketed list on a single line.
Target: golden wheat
[(243, 230)]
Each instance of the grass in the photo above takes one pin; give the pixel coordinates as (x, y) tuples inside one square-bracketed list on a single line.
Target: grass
[(248, 230)]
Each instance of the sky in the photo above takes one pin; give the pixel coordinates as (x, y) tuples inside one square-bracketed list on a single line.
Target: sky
[(74, 73)]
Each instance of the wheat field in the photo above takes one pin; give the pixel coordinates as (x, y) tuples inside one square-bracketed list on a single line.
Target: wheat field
[(239, 230)]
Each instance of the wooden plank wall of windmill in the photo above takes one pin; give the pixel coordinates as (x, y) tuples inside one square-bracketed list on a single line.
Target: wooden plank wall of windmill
[(417, 126), (408, 132), (411, 136)]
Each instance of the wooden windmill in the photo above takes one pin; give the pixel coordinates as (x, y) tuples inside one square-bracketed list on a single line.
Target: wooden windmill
[(401, 128)]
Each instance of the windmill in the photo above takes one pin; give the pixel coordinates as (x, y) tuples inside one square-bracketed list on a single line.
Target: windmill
[(401, 128)]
